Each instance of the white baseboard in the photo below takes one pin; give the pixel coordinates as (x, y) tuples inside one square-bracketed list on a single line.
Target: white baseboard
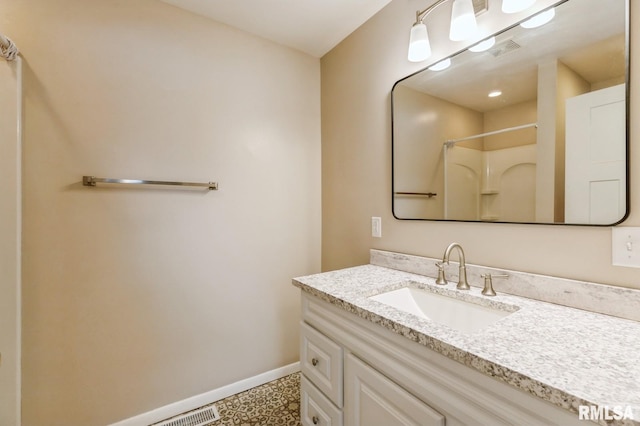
[(197, 401)]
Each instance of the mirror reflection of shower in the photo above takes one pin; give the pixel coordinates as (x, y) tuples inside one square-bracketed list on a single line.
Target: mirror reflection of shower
[(490, 185)]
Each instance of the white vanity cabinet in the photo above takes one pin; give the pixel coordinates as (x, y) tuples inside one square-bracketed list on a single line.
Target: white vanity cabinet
[(321, 363), (357, 373), (373, 399), (315, 408)]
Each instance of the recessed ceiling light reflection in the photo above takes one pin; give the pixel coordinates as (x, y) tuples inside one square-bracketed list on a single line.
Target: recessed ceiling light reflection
[(483, 45), (495, 93), (540, 19), (442, 65)]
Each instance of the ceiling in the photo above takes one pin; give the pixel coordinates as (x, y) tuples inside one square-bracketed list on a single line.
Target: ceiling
[(585, 35), (312, 26)]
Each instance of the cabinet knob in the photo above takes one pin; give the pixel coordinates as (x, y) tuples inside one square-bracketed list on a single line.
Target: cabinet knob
[(315, 420), (315, 362)]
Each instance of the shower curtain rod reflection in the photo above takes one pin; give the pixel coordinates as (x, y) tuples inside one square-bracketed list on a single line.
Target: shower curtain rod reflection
[(495, 132), (92, 181)]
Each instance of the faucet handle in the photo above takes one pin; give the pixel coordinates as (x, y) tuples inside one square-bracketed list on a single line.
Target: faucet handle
[(441, 278), (488, 283)]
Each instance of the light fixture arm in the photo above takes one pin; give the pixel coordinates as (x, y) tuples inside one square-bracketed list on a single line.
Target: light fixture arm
[(422, 14)]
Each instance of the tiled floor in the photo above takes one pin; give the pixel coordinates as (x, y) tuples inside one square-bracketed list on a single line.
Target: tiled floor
[(276, 403)]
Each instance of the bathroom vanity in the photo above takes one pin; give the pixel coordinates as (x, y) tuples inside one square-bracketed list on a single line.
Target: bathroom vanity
[(367, 359)]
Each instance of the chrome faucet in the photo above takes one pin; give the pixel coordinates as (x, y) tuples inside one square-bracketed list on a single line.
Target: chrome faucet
[(488, 283), (462, 276), (441, 278)]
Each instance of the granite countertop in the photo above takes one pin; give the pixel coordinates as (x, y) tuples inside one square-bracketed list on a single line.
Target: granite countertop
[(567, 356)]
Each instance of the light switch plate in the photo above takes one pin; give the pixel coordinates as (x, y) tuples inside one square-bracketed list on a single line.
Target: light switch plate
[(376, 227), (625, 246)]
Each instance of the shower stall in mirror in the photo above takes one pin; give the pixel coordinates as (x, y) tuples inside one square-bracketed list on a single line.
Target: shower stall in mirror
[(491, 184)]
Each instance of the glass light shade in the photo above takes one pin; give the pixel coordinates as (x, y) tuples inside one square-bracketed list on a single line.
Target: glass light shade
[(442, 65), (514, 6), (419, 47), (540, 19), (463, 21), (483, 45)]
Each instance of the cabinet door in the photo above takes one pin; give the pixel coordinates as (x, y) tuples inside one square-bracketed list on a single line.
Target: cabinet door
[(373, 400)]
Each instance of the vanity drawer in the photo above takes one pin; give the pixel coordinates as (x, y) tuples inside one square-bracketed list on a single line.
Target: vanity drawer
[(321, 362), (315, 408)]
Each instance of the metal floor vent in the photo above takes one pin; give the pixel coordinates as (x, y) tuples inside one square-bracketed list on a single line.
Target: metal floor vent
[(199, 417)]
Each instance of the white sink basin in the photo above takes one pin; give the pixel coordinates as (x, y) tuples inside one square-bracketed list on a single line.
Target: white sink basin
[(455, 313)]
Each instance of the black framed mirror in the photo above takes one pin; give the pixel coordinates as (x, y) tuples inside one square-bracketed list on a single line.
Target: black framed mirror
[(552, 148)]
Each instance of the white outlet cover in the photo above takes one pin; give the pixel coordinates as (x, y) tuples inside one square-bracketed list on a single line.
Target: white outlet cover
[(625, 246), (376, 227)]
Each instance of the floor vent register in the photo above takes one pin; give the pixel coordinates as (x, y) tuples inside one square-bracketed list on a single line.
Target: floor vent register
[(199, 417)]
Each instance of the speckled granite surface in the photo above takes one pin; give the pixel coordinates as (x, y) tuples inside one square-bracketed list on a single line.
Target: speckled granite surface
[(566, 356), (601, 298)]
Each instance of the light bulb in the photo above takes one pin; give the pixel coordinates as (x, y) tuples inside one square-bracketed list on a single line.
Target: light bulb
[(463, 21), (419, 47), (483, 45), (442, 65), (540, 19), (514, 6)]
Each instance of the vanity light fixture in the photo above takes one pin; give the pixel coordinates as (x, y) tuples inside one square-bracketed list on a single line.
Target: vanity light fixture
[(442, 65), (483, 45), (419, 47), (514, 6), (540, 19), (463, 21), (463, 26)]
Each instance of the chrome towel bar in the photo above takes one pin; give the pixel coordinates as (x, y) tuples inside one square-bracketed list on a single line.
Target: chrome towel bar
[(421, 194), (92, 181)]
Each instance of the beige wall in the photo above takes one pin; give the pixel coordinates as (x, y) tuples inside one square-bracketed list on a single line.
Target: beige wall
[(9, 242), (357, 77), (513, 115), (422, 124), (138, 298)]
